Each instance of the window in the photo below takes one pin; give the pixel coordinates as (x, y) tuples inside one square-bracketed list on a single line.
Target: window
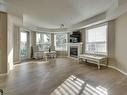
[(60, 41), (23, 45), (96, 40), (43, 41)]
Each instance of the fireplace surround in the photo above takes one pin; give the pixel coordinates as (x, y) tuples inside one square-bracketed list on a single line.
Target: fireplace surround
[(74, 49)]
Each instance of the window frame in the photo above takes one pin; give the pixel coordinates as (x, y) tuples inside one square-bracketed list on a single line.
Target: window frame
[(39, 44), (86, 38), (43, 33), (27, 46), (61, 43)]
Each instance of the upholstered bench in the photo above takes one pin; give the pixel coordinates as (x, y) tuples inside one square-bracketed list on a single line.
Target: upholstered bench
[(94, 59)]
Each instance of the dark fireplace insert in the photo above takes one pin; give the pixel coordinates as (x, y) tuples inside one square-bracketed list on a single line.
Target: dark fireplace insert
[(74, 51)]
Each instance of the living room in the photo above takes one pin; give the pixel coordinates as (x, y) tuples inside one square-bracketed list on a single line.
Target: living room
[(63, 47)]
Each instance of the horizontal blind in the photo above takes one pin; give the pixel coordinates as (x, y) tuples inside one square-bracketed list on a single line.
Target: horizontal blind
[(96, 40), (60, 40), (43, 41)]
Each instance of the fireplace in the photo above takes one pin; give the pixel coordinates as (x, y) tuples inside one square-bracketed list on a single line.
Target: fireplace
[(73, 51)]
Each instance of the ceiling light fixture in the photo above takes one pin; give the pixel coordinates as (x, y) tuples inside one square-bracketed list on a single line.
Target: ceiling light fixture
[(61, 26)]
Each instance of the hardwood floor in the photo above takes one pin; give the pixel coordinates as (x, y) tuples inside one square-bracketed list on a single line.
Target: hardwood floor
[(37, 78)]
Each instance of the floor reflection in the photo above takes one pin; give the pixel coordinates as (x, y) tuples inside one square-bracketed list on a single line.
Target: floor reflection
[(75, 86)]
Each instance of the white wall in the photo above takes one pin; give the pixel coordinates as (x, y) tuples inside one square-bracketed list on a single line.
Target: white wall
[(16, 44), (111, 42), (14, 23), (121, 42), (3, 42), (83, 39)]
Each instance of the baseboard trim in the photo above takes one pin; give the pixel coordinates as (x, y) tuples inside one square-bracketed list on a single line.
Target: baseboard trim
[(17, 62), (113, 67), (2, 75)]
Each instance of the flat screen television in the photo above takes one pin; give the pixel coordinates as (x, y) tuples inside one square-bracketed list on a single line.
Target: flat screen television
[(75, 37)]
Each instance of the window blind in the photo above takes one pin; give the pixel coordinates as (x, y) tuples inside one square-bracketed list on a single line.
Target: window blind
[(96, 40)]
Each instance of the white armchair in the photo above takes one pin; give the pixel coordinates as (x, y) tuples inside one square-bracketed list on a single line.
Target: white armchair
[(37, 54)]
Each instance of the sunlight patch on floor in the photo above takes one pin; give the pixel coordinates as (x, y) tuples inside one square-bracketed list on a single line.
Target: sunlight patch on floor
[(76, 86)]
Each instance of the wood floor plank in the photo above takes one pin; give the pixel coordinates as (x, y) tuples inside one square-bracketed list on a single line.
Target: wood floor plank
[(36, 78)]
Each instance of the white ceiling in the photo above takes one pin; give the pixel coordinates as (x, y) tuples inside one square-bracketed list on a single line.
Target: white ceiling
[(52, 13)]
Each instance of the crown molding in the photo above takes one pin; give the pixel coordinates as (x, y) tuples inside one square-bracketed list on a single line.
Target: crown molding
[(118, 8)]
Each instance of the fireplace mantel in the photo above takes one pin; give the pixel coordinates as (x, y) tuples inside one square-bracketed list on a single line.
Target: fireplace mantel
[(74, 45)]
